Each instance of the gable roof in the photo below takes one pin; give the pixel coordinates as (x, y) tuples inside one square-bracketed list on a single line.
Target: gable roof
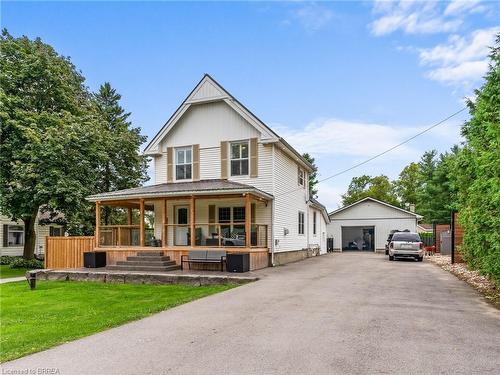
[(376, 201), (314, 203), (209, 90)]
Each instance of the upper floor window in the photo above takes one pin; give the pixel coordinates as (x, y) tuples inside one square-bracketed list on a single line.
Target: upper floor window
[(301, 177), (314, 222), (55, 231), (301, 222), (239, 159), (183, 163)]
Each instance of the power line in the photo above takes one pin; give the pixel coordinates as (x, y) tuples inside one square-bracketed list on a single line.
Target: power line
[(386, 151)]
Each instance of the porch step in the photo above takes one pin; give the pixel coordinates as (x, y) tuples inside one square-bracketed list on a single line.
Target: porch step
[(149, 253), (149, 258), (143, 268), (146, 263)]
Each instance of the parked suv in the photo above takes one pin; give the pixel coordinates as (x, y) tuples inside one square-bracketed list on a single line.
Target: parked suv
[(406, 244)]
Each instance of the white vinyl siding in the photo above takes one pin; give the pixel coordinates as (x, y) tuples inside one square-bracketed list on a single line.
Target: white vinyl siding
[(289, 199)]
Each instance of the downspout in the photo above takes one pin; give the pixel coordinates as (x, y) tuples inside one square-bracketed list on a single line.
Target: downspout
[(272, 211)]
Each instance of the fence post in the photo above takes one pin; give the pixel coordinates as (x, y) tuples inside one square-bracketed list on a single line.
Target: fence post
[(452, 237)]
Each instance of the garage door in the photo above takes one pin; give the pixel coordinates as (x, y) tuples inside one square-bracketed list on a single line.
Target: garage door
[(358, 238)]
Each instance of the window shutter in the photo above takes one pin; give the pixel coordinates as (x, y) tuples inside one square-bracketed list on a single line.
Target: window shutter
[(5, 235), (254, 158), (170, 158), (196, 162), (211, 219), (223, 160)]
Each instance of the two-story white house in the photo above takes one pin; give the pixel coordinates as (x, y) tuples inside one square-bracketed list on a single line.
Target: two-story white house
[(223, 179)]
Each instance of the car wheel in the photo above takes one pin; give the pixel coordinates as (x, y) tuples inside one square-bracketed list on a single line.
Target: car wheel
[(420, 259), (387, 252), (391, 257)]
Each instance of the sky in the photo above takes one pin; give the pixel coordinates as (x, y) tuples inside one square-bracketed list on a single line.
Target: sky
[(341, 80)]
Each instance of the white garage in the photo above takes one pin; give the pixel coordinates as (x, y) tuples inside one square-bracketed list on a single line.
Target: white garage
[(365, 225)]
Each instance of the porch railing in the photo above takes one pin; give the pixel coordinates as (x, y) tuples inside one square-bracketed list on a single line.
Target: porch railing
[(230, 234), (123, 235)]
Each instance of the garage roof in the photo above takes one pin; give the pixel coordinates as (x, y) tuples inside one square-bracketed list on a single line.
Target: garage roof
[(376, 201)]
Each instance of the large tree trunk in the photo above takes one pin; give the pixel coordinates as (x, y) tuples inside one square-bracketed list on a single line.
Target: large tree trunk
[(29, 236)]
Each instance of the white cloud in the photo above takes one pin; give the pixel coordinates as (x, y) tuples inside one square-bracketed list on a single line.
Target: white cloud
[(412, 17), (340, 137), (312, 17), (459, 6), (462, 60)]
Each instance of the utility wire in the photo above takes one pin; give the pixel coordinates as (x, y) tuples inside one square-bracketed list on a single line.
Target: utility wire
[(384, 152)]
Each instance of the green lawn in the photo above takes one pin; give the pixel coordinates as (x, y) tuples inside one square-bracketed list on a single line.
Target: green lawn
[(6, 272), (60, 311)]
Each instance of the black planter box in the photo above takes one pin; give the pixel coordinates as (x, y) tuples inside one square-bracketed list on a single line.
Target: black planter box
[(238, 262), (94, 259)]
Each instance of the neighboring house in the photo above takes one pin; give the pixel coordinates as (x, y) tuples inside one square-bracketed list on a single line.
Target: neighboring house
[(223, 179), (366, 224), (12, 235)]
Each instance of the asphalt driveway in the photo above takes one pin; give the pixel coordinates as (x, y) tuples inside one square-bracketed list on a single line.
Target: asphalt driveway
[(337, 314)]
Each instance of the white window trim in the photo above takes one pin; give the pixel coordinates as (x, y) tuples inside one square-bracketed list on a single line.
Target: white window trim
[(299, 171), (175, 163), (230, 158), (303, 223), (8, 232)]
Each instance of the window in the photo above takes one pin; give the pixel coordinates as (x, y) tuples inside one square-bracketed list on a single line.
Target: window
[(183, 163), (301, 222), (302, 177), (239, 159), (15, 235), (314, 222), (238, 214), (224, 214), (55, 231)]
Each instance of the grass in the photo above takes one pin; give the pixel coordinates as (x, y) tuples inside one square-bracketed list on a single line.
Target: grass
[(60, 311), (7, 272)]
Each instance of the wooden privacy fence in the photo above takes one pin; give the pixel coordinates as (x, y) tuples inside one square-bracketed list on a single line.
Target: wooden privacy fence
[(67, 252)]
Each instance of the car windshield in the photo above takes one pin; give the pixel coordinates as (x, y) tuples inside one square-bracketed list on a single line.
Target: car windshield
[(408, 237)]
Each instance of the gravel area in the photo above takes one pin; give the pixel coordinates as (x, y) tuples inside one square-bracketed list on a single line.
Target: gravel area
[(481, 283)]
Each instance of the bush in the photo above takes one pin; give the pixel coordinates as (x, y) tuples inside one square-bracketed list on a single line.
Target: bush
[(4, 260), (26, 263)]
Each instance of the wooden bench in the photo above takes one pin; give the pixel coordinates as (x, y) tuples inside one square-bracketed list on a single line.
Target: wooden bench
[(204, 256)]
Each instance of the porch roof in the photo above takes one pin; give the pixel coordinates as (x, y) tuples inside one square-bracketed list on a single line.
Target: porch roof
[(196, 188)]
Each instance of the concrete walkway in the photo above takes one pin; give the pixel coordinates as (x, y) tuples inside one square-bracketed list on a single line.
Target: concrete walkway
[(346, 313), (12, 279)]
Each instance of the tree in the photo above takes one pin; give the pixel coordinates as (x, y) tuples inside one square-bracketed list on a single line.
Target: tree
[(125, 167), (436, 191), (378, 187), (51, 137), (313, 176), (477, 175), (407, 184)]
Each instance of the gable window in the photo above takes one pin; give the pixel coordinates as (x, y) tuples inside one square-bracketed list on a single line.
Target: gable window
[(314, 222), (15, 235), (301, 177), (183, 163), (301, 222), (239, 159)]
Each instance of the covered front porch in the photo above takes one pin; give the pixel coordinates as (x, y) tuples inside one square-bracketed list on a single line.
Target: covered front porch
[(235, 218)]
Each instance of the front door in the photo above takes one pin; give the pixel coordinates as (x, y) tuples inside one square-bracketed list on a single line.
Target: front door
[(182, 225)]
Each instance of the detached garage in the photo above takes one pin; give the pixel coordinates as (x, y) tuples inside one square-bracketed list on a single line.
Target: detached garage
[(366, 224)]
